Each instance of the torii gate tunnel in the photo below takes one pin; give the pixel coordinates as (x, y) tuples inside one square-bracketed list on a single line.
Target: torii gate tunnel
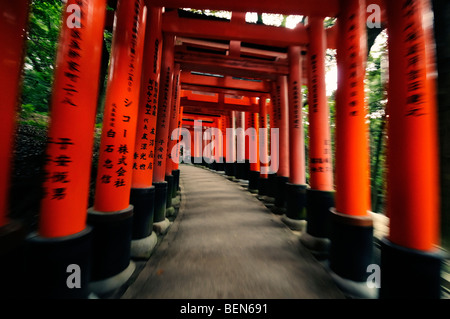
[(228, 95)]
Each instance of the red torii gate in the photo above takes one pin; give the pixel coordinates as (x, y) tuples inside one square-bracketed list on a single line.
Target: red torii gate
[(410, 249)]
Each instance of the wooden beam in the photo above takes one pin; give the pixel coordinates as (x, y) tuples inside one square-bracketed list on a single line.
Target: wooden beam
[(189, 105), (228, 83), (223, 30), (233, 66), (321, 8)]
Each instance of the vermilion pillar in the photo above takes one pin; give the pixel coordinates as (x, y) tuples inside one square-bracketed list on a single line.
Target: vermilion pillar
[(240, 145), (11, 62), (142, 195), (273, 122), (320, 197), (352, 231), (162, 128), (230, 165), (282, 115), (263, 137), (112, 213), (175, 128), (223, 129), (173, 124), (253, 149), (411, 249), (62, 233), (296, 188)]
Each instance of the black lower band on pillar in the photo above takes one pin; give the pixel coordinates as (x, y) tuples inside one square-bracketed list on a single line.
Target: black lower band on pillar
[(160, 201), (169, 180), (318, 206), (295, 201), (351, 247), (53, 265), (280, 191), (12, 238), (213, 166), (197, 160), (230, 169), (112, 233), (176, 179), (271, 184), (143, 201), (220, 165), (263, 184), (240, 170), (253, 177), (409, 273), (247, 169)]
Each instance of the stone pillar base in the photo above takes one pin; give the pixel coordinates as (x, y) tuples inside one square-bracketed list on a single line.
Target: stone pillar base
[(143, 248)]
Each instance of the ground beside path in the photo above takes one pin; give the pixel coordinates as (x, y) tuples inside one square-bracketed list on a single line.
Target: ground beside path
[(225, 243)]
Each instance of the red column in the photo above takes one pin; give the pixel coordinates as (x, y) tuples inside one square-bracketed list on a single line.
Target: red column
[(148, 105), (117, 146), (352, 157), (164, 103), (62, 234), (11, 62), (352, 236), (296, 134), (263, 137), (296, 188), (320, 197), (177, 152), (73, 108), (411, 248), (320, 164), (283, 122), (173, 121), (240, 145), (253, 150)]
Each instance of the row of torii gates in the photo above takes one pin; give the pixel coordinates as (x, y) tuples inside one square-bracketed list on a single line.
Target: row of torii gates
[(159, 63)]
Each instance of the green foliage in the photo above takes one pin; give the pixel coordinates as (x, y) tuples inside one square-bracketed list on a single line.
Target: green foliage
[(42, 39)]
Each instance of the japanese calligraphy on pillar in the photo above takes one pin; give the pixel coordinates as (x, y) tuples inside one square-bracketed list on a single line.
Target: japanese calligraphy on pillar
[(120, 124), (413, 42), (313, 87), (355, 73), (58, 159), (117, 145), (143, 157)]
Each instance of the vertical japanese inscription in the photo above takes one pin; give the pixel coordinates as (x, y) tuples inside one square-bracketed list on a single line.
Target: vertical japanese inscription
[(57, 169), (414, 55)]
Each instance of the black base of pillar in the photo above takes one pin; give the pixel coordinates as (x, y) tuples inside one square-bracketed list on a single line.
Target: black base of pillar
[(318, 206), (112, 233), (176, 178), (271, 185), (240, 170), (220, 166), (170, 185), (12, 239), (409, 274), (280, 191), (351, 249), (213, 166), (295, 201), (247, 169), (197, 160), (263, 184), (143, 201), (160, 201), (253, 178), (59, 268), (230, 169)]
